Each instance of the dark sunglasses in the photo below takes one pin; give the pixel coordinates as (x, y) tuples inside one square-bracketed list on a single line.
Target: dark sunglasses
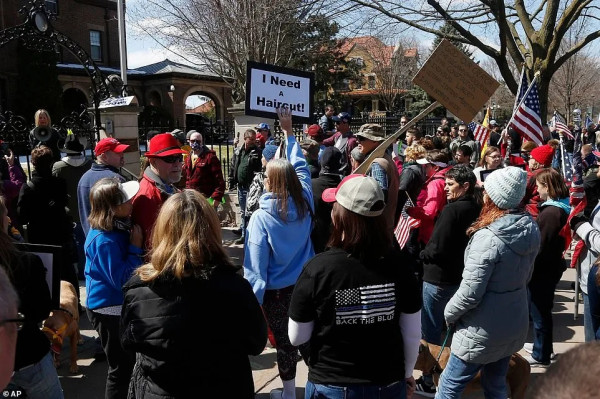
[(195, 141), (19, 321), (172, 158)]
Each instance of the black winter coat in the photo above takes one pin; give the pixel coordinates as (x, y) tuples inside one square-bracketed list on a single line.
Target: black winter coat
[(43, 206), (443, 256), (322, 219), (28, 275), (192, 336), (549, 264)]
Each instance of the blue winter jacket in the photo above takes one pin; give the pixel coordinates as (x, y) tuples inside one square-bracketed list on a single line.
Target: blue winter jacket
[(490, 309), (89, 178), (109, 263), (276, 250)]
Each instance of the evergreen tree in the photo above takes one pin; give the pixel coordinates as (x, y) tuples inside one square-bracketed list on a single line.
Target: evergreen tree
[(318, 51), (446, 31)]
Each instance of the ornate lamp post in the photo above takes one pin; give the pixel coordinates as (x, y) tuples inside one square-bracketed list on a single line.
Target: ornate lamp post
[(577, 116)]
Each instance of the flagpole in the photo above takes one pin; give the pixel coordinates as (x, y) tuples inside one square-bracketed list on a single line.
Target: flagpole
[(519, 88), (562, 154), (523, 98)]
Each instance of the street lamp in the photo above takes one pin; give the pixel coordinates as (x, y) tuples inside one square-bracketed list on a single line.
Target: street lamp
[(577, 116)]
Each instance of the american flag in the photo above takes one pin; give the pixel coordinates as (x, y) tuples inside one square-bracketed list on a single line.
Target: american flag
[(568, 166), (405, 224), (365, 303), (559, 123), (523, 85), (526, 120), (481, 134)]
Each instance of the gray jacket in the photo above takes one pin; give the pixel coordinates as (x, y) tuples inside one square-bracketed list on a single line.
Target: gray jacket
[(490, 308), (590, 235)]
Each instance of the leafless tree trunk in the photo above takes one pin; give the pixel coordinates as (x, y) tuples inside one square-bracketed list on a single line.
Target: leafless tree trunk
[(221, 35), (528, 34)]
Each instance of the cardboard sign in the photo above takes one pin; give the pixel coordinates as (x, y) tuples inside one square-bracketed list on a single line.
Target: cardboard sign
[(457, 82), (269, 87)]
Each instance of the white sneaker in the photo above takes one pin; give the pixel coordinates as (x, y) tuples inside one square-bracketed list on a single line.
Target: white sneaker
[(535, 363), (528, 347)]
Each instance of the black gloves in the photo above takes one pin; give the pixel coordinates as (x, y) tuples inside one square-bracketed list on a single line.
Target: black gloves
[(578, 220)]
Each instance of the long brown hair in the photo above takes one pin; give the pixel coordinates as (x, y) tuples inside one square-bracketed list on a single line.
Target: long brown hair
[(554, 181), (105, 196), (284, 183), (8, 251), (361, 236), (489, 214), (186, 240)]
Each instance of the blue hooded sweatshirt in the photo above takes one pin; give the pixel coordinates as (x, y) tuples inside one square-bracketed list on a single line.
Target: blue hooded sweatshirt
[(276, 250)]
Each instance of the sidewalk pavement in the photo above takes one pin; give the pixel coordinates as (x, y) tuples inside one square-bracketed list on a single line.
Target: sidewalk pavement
[(90, 381)]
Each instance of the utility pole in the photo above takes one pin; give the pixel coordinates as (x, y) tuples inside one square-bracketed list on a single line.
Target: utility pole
[(122, 43)]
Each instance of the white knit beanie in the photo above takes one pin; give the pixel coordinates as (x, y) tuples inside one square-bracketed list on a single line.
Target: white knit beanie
[(506, 187)]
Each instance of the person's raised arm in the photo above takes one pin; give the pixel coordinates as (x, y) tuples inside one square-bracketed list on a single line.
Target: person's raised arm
[(294, 153)]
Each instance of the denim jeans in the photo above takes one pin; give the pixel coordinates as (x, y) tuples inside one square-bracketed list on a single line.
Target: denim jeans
[(435, 298), (242, 195), (459, 373), (541, 300), (395, 390), (588, 328), (38, 381)]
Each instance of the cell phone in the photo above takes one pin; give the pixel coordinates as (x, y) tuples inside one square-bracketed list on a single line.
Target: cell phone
[(4, 149), (483, 174)]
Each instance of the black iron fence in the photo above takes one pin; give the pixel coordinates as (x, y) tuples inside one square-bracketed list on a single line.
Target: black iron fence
[(220, 136)]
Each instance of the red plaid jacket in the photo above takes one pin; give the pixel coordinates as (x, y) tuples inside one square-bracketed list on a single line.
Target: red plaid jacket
[(205, 175)]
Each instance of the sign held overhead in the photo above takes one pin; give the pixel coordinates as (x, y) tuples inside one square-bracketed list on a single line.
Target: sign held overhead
[(457, 82), (269, 87)]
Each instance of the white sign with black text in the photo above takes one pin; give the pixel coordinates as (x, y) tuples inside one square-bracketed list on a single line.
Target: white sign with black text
[(269, 87)]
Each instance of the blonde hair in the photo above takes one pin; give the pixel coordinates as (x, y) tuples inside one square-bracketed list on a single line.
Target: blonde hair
[(186, 239), (415, 152), (37, 117), (285, 186), (105, 196)]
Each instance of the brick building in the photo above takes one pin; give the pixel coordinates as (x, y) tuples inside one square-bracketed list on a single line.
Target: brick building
[(386, 73), (93, 25)]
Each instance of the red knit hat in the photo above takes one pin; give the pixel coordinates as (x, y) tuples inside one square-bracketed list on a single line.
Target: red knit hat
[(543, 155), (163, 145)]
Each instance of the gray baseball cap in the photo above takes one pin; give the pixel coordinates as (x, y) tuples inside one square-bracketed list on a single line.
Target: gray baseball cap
[(357, 193)]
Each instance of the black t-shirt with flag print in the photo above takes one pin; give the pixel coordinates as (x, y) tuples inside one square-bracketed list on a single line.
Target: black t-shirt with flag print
[(355, 308)]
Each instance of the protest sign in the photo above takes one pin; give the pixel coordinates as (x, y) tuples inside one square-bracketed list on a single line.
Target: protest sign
[(457, 82), (269, 87)]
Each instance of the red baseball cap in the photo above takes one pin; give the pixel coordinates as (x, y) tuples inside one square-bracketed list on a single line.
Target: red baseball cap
[(109, 144), (314, 131), (163, 145)]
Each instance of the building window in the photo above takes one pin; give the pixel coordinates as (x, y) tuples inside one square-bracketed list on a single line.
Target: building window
[(371, 83), (95, 45), (358, 61), (374, 105), (52, 6)]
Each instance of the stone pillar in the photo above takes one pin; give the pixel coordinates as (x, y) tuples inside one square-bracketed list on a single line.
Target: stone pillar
[(122, 123), (244, 122)]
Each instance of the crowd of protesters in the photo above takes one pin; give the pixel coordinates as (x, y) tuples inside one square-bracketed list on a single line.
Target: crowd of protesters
[(443, 238)]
